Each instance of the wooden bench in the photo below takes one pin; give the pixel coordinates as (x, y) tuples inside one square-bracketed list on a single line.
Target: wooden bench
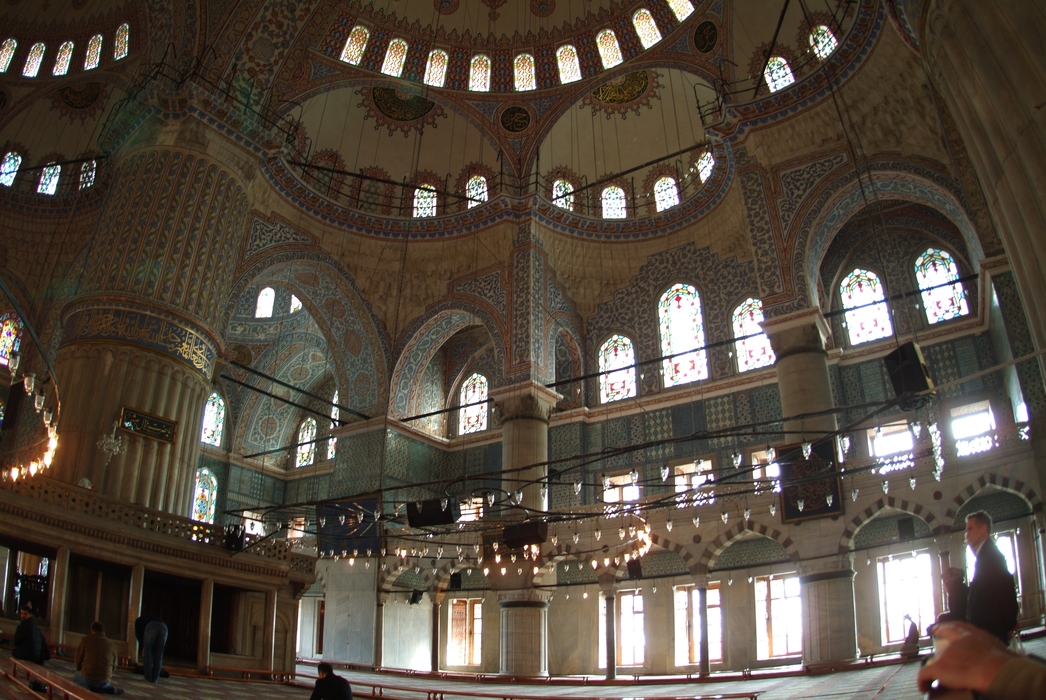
[(22, 673)]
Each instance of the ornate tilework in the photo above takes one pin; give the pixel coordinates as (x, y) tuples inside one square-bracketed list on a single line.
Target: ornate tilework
[(488, 287), (754, 551), (271, 233)]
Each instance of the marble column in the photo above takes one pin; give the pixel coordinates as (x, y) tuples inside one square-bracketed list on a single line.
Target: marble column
[(524, 410), (704, 667), (59, 595), (379, 629), (524, 632), (829, 615), (269, 631), (134, 608), (203, 648), (610, 597), (437, 608), (798, 341)]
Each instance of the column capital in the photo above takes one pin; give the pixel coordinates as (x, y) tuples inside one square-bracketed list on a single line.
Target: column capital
[(524, 598), (701, 581), (527, 400), (802, 331), (825, 568)]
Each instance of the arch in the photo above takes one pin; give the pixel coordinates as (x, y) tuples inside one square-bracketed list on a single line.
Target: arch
[(33, 60), (822, 41), (666, 193), (778, 74), (682, 332), (617, 369), (992, 481), (476, 190), (122, 42), (933, 267), (560, 325), (475, 389), (749, 551), (426, 201), (264, 306), (863, 295), (563, 194), (332, 441), (863, 531), (681, 8), (888, 503), (568, 64), (751, 352), (10, 336), (7, 52), (736, 532), (614, 203)]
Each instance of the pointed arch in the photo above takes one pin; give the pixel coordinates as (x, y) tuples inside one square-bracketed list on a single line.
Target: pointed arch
[(887, 503), (933, 268), (736, 532)]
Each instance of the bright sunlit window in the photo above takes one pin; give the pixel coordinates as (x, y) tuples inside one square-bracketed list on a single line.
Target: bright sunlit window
[(778, 74), (609, 50), (436, 68), (473, 418), (395, 55), (892, 446), (523, 67), (355, 45), (764, 467), (691, 476), (973, 427), (266, 298), (666, 193), (905, 588), (779, 616), (465, 641), (620, 489), (688, 625), (479, 74), (631, 641), (752, 345), (942, 301), (822, 41), (682, 336), (867, 315), (617, 369), (646, 28)]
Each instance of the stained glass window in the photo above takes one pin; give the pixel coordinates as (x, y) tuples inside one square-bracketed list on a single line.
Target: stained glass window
[(206, 496), (122, 41), (777, 74), (10, 337), (609, 50), (425, 201), (705, 165), (87, 173), (2, 407), (646, 28), (7, 52), (94, 52), (395, 55), (295, 304), (753, 352), (9, 168), (479, 74), (867, 316), (266, 298), (61, 61), (49, 179), (617, 369), (666, 193), (563, 195), (213, 420), (472, 419), (614, 203), (682, 335), (306, 444), (569, 67), (681, 8), (942, 301), (33, 60), (823, 42), (436, 68), (332, 442), (355, 45), (524, 71), (476, 190)]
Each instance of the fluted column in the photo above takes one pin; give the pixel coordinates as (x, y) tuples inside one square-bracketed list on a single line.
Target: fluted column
[(829, 615), (524, 632), (524, 410), (798, 341)]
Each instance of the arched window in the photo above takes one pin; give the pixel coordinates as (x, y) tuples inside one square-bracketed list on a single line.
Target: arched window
[(94, 52), (614, 203), (777, 74), (10, 337), (473, 418), (425, 201), (61, 61), (206, 496), (682, 335), (395, 55), (646, 28), (295, 304), (569, 67), (332, 442), (87, 173), (479, 74), (266, 298), (524, 71), (942, 301), (34, 59), (476, 190), (9, 168), (121, 44), (355, 45), (436, 68), (822, 41), (306, 442), (666, 193), (617, 369), (7, 52), (867, 316), (681, 8), (705, 164), (609, 50), (752, 352), (563, 195), (49, 179), (213, 420)]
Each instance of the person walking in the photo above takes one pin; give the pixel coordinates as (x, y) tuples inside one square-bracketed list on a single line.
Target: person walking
[(992, 602)]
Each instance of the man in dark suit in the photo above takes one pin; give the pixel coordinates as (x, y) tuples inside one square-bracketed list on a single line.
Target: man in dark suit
[(992, 604), (330, 686)]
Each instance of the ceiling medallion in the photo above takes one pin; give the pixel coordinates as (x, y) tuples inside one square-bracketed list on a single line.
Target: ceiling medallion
[(625, 93), (542, 8), (515, 119), (399, 110), (80, 101), (706, 36), (493, 5), (446, 7)]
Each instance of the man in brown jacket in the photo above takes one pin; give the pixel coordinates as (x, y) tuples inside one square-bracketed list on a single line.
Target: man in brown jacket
[(96, 661)]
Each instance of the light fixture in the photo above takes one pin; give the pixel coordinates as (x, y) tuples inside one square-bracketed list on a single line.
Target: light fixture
[(576, 537), (771, 455), (668, 525), (917, 429), (801, 502), (595, 564), (886, 487), (737, 459), (853, 494), (577, 487), (621, 533), (599, 534), (664, 472), (828, 499), (697, 521), (773, 509), (911, 482), (490, 498), (748, 514), (606, 482), (807, 450), (555, 539), (29, 382), (13, 363), (634, 476), (725, 516)]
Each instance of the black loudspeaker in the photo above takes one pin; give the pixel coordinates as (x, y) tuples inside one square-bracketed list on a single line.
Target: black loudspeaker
[(905, 529), (416, 596), (524, 534), (907, 370), (455, 581), (431, 512), (635, 569), (235, 538)]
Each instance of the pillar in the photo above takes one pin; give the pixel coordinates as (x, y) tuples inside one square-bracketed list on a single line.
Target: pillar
[(59, 594), (437, 606), (704, 667), (379, 629), (524, 632), (203, 647), (134, 608), (610, 597), (829, 615), (524, 410), (269, 632), (798, 341)]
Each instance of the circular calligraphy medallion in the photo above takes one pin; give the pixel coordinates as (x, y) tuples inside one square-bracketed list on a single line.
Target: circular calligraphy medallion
[(515, 119), (542, 8), (706, 36)]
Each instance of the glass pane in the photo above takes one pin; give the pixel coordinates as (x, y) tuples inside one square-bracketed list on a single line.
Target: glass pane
[(614, 203), (473, 419), (94, 52), (562, 195), (9, 168), (942, 301), (213, 420), (906, 588), (646, 28), (122, 42), (569, 67), (755, 351), (295, 304), (10, 337), (823, 42), (682, 336), (476, 190), (868, 317), (49, 179), (355, 45), (681, 8), (778, 75), (266, 298), (425, 201), (524, 71), (666, 194), (332, 443), (609, 51), (87, 173), (617, 379), (33, 61), (7, 52), (206, 496), (436, 69), (704, 165), (65, 55), (306, 434), (479, 74), (395, 55)]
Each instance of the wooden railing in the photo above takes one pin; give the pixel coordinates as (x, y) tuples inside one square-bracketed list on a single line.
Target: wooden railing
[(23, 674)]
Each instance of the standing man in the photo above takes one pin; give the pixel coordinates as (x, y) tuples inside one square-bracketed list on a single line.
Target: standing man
[(992, 604), (151, 632), (95, 662), (330, 686)]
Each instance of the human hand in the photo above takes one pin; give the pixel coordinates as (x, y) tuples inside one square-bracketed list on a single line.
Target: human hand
[(967, 658)]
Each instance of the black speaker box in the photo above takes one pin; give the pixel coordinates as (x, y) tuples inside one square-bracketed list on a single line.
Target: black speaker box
[(524, 534), (907, 370), (455, 581), (416, 596), (905, 529), (635, 569), (431, 512)]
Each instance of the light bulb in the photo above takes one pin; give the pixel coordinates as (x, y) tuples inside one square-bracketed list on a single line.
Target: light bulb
[(38, 402), (519, 571), (486, 570), (585, 595), (668, 525), (536, 570), (29, 382), (606, 561), (621, 533), (595, 564)]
